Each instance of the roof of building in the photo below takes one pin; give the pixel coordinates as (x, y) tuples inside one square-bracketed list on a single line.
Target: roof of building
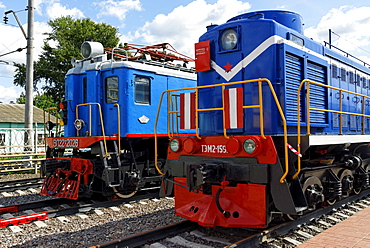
[(15, 113)]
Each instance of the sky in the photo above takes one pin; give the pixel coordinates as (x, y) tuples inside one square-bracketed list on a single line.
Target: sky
[(178, 22)]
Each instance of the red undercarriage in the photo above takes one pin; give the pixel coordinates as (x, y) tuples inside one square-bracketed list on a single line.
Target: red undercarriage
[(60, 184), (246, 204)]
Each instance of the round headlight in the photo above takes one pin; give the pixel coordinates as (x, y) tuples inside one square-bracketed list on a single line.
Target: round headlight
[(174, 145), (229, 39), (249, 146), (79, 124)]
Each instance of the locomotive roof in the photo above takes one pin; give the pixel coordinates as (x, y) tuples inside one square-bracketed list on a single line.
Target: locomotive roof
[(156, 67), (14, 113)]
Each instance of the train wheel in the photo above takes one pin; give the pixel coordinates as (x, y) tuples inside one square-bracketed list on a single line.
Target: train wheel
[(357, 191), (122, 195), (313, 191), (362, 180), (331, 202), (290, 217), (346, 178)]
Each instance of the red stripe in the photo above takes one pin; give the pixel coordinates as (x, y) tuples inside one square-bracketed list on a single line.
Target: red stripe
[(227, 108), (239, 107), (182, 111), (185, 107), (158, 134), (192, 110)]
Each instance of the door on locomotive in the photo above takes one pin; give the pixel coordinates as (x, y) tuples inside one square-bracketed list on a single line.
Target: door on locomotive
[(111, 107)]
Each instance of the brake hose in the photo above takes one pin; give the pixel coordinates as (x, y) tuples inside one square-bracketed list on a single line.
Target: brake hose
[(225, 213)]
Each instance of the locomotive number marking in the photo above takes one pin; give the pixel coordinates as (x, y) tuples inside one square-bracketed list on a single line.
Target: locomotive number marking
[(66, 143), (214, 148)]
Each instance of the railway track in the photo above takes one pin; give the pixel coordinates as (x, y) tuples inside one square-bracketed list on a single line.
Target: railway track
[(58, 207), (8, 186), (287, 234)]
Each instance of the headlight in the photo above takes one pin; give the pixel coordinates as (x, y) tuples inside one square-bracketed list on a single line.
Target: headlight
[(249, 146), (174, 145), (229, 39), (79, 124)]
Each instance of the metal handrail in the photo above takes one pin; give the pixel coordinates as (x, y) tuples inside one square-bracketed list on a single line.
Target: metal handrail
[(101, 121), (308, 109), (197, 110), (119, 127)]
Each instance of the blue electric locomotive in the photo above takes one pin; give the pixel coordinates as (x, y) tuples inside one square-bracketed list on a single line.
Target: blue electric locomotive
[(108, 116), (281, 124)]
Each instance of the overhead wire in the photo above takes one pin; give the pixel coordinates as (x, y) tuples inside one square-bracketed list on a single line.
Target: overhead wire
[(340, 37)]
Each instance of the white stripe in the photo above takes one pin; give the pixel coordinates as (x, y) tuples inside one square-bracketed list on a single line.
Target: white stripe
[(337, 139), (255, 53), (232, 107), (187, 110)]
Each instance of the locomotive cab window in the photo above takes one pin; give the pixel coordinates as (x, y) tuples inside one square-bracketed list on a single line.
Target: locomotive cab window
[(111, 90), (142, 90), (296, 39), (84, 85)]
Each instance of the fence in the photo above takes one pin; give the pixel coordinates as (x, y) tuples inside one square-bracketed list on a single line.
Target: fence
[(21, 148)]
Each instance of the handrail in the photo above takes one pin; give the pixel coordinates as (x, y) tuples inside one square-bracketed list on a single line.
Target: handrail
[(308, 109), (155, 133), (197, 110), (101, 121), (119, 127)]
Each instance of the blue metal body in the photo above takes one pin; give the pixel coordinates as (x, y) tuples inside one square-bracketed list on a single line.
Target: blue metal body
[(271, 45), (86, 83)]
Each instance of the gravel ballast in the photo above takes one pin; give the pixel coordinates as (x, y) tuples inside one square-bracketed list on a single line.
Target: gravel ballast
[(94, 230)]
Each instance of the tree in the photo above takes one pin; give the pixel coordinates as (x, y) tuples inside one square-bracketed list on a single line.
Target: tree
[(41, 101), (62, 44)]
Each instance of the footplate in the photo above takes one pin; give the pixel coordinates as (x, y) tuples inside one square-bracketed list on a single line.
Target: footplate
[(60, 187)]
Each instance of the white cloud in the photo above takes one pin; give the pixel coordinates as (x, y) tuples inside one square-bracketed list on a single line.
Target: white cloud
[(38, 6), (8, 94), (54, 10), (185, 24), (350, 23), (118, 9), (17, 40)]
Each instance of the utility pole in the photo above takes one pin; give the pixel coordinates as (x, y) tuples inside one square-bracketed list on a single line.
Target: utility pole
[(29, 78)]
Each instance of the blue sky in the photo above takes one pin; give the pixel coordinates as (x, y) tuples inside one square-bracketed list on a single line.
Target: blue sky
[(179, 22)]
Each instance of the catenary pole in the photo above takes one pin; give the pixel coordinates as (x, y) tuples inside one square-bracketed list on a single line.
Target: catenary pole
[(29, 76)]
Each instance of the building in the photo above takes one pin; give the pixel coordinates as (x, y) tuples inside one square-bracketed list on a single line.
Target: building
[(12, 131)]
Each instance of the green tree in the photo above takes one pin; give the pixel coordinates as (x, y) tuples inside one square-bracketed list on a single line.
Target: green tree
[(42, 101), (61, 45)]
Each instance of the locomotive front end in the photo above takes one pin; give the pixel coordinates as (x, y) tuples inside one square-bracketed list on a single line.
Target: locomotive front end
[(229, 173), (222, 181), (107, 147)]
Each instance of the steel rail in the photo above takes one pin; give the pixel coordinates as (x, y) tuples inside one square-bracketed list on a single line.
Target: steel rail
[(140, 239), (284, 228)]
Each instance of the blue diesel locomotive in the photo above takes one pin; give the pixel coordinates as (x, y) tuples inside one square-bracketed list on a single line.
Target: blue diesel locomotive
[(281, 125), (108, 116)]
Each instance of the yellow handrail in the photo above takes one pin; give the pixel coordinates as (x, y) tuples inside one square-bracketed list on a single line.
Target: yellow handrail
[(197, 110), (308, 109), (101, 121)]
